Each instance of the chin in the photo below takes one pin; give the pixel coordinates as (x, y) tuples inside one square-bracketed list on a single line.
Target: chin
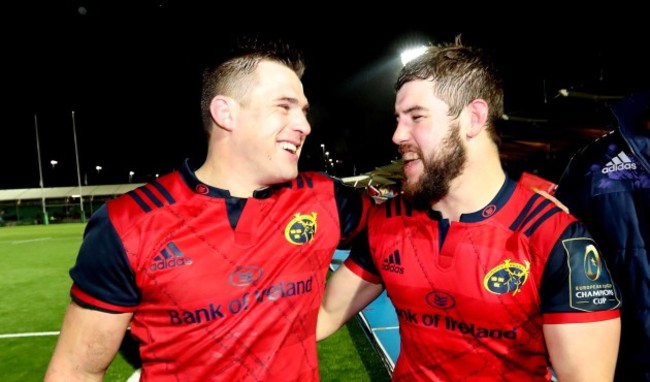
[(411, 180), (412, 174), (287, 176)]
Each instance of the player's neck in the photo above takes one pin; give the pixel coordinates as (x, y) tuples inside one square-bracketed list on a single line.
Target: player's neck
[(477, 186), (224, 175)]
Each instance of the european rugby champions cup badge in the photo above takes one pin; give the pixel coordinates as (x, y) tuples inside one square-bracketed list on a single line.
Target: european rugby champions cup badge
[(301, 229), (591, 284)]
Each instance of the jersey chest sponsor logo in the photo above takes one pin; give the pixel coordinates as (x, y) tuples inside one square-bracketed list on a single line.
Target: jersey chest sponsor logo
[(301, 229), (508, 277), (248, 300), (451, 324)]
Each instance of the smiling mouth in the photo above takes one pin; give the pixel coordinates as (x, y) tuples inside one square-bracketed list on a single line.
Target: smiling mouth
[(290, 147), (409, 157)]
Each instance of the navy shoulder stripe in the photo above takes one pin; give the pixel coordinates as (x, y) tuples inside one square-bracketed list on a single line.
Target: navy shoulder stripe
[(163, 191), (397, 207), (541, 220), (133, 194), (301, 181), (152, 197), (151, 200), (518, 221), (534, 214)]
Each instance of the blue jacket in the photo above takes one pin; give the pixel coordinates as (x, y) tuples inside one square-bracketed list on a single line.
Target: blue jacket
[(607, 185)]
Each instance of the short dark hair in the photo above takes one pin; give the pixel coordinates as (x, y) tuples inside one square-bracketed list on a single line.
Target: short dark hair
[(459, 74), (230, 76)]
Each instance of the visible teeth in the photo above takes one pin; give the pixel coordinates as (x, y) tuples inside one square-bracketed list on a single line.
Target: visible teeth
[(409, 156), (289, 147)]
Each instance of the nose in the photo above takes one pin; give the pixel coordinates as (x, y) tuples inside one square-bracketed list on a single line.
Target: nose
[(399, 136), (301, 124), (304, 126)]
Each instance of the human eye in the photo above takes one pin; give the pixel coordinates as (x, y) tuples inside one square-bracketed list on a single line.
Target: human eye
[(415, 114)]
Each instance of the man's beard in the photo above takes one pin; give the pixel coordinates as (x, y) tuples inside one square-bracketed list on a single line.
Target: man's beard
[(439, 171)]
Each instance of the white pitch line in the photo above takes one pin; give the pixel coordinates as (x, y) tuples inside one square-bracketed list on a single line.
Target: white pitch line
[(135, 377), (34, 334), (30, 240)]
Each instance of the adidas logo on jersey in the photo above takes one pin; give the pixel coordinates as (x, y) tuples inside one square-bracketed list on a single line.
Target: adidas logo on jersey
[(620, 162), (169, 257), (393, 263)]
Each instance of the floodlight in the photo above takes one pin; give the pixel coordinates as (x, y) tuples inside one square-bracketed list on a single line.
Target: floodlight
[(411, 54)]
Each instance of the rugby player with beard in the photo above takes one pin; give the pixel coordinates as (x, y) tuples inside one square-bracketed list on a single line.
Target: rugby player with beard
[(490, 279)]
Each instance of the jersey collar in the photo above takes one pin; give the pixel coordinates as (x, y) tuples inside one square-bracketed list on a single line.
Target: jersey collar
[(490, 209), (494, 206), (198, 187)]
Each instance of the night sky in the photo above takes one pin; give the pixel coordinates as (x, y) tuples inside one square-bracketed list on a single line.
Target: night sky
[(131, 74)]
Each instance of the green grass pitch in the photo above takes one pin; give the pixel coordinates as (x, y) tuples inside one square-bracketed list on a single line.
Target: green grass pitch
[(34, 285)]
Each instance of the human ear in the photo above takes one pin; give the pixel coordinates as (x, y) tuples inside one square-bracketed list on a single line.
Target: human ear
[(224, 111), (478, 116)]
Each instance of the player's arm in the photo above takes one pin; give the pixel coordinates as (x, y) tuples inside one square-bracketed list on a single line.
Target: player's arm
[(88, 342), (584, 351), (346, 294), (580, 327)]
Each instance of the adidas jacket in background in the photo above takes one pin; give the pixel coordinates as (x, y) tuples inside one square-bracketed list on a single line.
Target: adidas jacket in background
[(607, 186)]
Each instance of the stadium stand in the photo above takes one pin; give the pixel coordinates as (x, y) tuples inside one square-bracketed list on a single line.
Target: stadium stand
[(62, 204)]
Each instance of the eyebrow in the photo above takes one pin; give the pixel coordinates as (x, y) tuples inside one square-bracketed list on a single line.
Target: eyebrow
[(294, 101), (412, 109)]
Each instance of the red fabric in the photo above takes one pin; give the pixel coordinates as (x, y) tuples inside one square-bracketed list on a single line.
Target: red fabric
[(469, 294), (537, 183), (217, 302)]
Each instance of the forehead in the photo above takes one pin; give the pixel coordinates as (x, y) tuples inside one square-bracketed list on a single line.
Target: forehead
[(275, 80), (418, 94)]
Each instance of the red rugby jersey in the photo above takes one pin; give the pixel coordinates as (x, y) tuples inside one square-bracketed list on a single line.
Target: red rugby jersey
[(471, 296), (221, 288)]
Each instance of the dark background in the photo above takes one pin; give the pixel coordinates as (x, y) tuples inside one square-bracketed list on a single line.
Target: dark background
[(131, 73)]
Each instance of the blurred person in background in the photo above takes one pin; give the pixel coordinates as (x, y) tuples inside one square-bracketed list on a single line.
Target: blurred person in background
[(607, 186)]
